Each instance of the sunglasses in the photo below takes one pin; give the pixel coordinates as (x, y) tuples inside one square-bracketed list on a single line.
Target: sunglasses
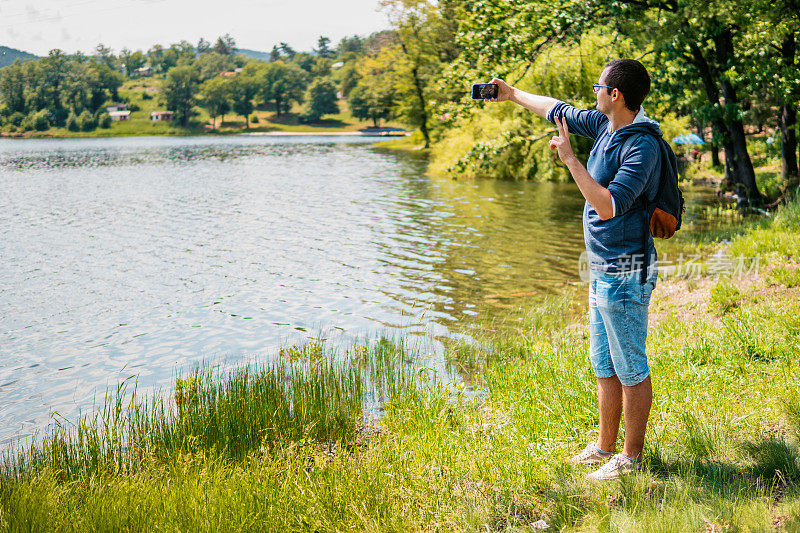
[(596, 87)]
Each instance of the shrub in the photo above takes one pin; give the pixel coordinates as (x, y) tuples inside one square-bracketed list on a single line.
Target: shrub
[(38, 121), (320, 100), (72, 122), (87, 121), (254, 119), (146, 96), (16, 118), (104, 121), (26, 124)]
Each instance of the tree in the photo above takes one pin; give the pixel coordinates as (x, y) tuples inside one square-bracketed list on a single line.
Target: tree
[(770, 48), (243, 89), (12, 87), (320, 100), (108, 80), (275, 54), (215, 97), (369, 102), (203, 46), (323, 47), (287, 51), (106, 55), (76, 87), (225, 45), (180, 92), (212, 64), (425, 31), (45, 90), (349, 78), (155, 57), (708, 53), (352, 44), (131, 61), (321, 68), (305, 61), (281, 84)]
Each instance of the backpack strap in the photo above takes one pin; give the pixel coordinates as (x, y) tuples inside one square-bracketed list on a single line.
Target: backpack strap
[(627, 144)]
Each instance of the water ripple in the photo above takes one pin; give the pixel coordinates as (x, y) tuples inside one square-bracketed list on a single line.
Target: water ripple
[(147, 255)]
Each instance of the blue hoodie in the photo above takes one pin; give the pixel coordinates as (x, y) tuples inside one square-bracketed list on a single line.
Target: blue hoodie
[(619, 243)]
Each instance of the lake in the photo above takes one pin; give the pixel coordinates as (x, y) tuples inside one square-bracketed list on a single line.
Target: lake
[(145, 256)]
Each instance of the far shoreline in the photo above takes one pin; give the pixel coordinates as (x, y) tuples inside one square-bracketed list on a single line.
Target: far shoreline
[(331, 133)]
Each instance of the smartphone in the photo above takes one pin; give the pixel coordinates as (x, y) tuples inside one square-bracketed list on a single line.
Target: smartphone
[(482, 91)]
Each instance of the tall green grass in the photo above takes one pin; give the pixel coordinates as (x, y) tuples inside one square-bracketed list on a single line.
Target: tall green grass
[(309, 394)]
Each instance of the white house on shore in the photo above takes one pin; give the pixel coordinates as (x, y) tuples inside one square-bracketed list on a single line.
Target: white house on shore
[(162, 116), (119, 112)]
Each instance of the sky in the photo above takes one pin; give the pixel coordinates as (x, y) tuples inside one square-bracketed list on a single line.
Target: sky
[(38, 26)]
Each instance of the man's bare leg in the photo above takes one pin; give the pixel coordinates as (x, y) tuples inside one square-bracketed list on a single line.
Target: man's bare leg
[(609, 406), (636, 402)]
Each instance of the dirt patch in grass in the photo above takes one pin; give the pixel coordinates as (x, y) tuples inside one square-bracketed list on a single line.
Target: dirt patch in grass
[(689, 298)]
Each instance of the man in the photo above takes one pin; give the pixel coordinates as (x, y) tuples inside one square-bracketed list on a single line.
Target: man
[(623, 168)]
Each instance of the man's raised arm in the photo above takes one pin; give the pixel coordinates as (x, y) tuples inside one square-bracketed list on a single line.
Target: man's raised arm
[(538, 104)]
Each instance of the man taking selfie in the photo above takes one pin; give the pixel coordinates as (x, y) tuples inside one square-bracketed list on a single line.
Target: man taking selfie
[(620, 178)]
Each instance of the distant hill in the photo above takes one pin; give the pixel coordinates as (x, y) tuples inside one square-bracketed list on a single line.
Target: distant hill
[(9, 55), (253, 54)]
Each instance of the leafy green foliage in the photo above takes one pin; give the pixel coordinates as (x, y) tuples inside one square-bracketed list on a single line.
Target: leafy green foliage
[(281, 84), (180, 92), (49, 89), (320, 100), (371, 102), (215, 96)]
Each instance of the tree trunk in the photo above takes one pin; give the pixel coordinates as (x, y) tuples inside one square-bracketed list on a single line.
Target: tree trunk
[(788, 123), (418, 87), (721, 133), (715, 162), (247, 121), (424, 113), (745, 175), (743, 166), (738, 167)]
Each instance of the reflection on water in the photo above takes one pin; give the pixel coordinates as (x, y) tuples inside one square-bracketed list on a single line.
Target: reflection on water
[(145, 255)]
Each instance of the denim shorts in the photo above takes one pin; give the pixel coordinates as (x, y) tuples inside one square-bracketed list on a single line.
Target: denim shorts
[(618, 305)]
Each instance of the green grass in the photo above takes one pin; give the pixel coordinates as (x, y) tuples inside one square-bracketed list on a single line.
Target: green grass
[(252, 450), (725, 296)]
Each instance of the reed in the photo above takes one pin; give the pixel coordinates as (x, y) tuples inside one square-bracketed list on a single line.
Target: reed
[(308, 394)]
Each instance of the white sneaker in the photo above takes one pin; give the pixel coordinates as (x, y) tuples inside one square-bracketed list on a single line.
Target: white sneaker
[(615, 467), (591, 455)]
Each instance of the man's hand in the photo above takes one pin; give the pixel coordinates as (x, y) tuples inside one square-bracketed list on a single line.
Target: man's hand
[(504, 91), (561, 141)]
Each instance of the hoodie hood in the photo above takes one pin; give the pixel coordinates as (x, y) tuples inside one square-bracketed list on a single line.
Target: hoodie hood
[(641, 124)]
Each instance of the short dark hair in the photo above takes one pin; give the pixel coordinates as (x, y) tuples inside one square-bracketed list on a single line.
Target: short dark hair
[(631, 79)]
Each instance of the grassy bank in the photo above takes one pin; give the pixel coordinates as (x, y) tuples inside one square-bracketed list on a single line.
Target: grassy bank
[(142, 95), (289, 446)]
